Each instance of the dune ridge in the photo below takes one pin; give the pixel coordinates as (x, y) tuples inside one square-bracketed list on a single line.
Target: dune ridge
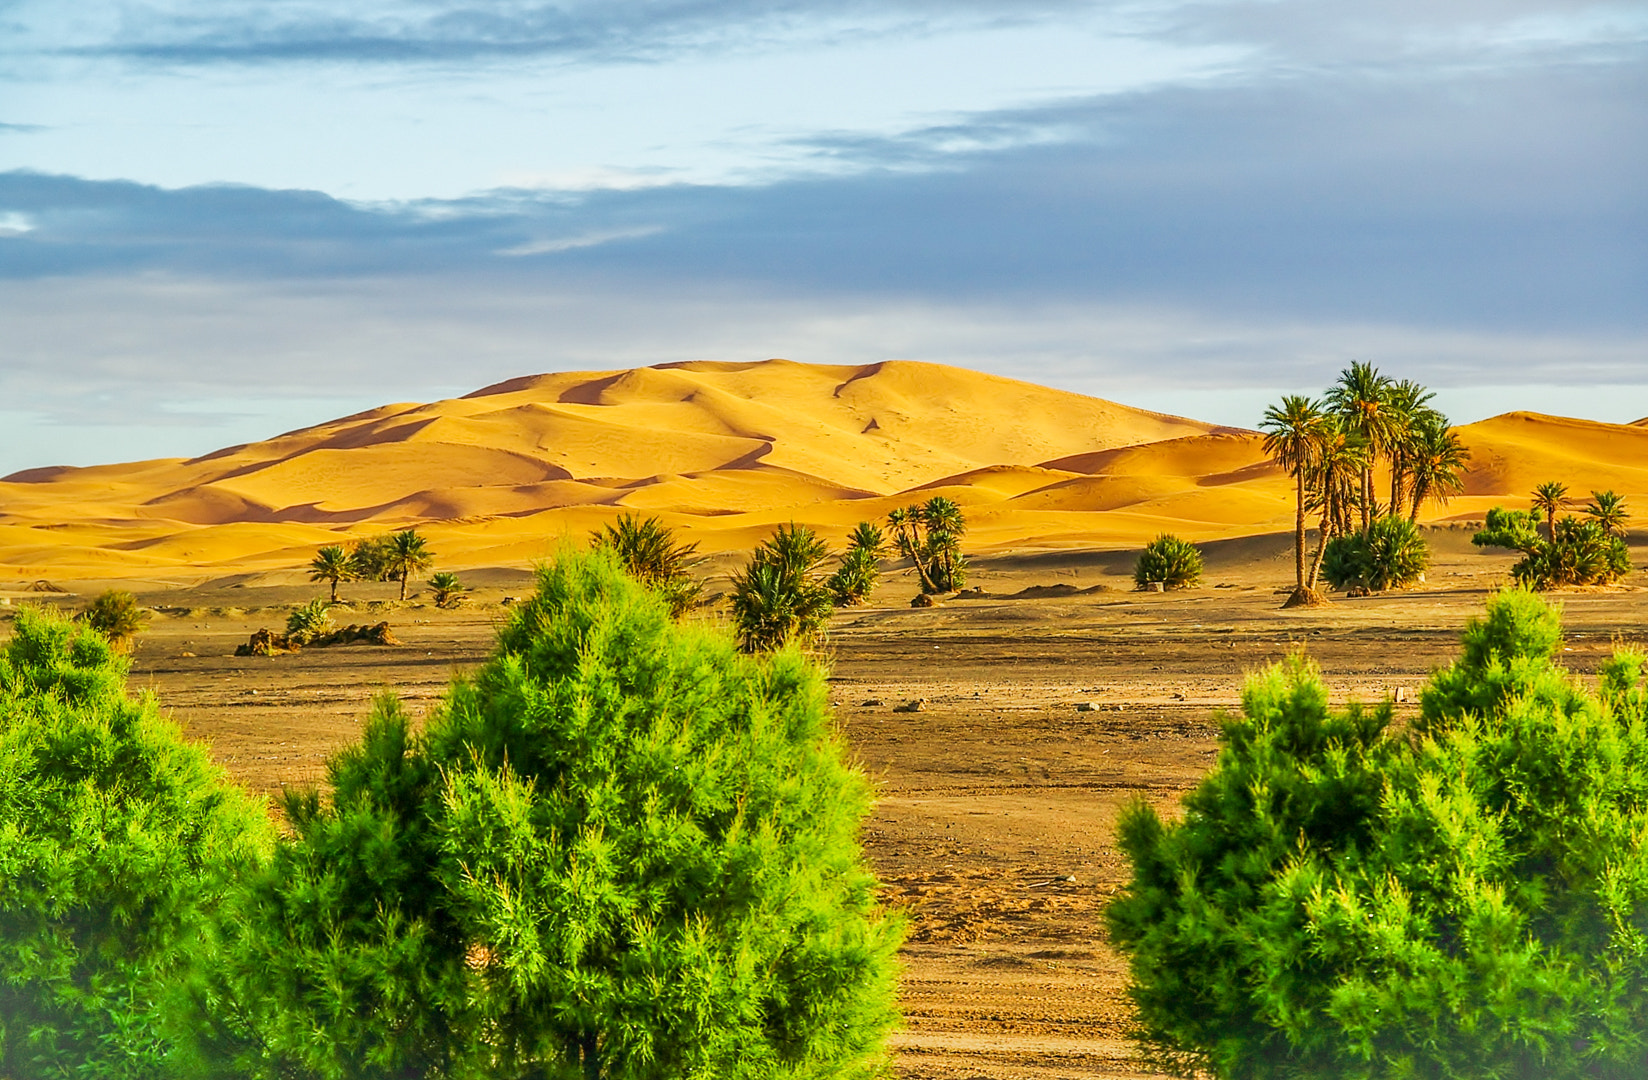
[(726, 450)]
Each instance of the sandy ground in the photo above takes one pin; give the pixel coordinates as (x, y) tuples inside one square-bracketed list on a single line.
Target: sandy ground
[(998, 799)]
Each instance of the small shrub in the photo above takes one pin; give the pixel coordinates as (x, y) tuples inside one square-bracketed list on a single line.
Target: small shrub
[(1391, 554), (855, 579), (449, 591), (621, 851), (116, 616), (1176, 563), (1514, 529), (1466, 900), (308, 622), (779, 597)]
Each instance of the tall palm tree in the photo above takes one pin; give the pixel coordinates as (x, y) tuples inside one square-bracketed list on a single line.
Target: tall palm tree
[(1338, 472), (906, 523), (1294, 432), (1411, 417), (332, 564), (406, 554), (1549, 498), (1436, 464), (946, 525), (1608, 510), (1359, 401)]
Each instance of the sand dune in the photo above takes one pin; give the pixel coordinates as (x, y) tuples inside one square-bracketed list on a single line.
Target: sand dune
[(726, 451)]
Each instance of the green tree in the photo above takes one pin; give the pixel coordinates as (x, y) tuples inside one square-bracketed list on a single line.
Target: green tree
[(855, 579), (1388, 555), (369, 559), (1550, 499), (1436, 462), (651, 553), (1578, 552), (622, 851), (448, 590), (1295, 432), (1411, 417), (333, 565), (1608, 510), (118, 844), (1463, 899), (929, 535), (780, 596), (116, 615), (1176, 563), (406, 553), (1360, 400)]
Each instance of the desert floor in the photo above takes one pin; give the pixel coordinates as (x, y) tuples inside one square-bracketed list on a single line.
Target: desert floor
[(998, 799)]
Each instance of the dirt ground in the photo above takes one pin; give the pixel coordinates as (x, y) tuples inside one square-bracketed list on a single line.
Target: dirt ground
[(998, 797)]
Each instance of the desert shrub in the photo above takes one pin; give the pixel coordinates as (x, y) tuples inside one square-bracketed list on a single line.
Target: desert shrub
[(1391, 554), (308, 622), (779, 596), (622, 851), (855, 579), (118, 842), (929, 535), (653, 555), (1464, 900), (1579, 552), (115, 615), (447, 589), (1174, 562)]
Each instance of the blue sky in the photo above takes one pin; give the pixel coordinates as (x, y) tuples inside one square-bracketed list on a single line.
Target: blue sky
[(219, 220)]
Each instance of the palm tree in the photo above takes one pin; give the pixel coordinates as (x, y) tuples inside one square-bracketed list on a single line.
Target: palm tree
[(1339, 468), (1411, 417), (906, 525), (447, 588), (1437, 463), (945, 528), (1294, 432), (1549, 498), (406, 554), (332, 564), (649, 551), (778, 597), (1359, 400), (1608, 510)]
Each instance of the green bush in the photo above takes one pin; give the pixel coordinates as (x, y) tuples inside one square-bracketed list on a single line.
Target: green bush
[(118, 842), (447, 589), (1176, 563), (115, 615), (308, 622), (1391, 554), (1465, 899), (1579, 552), (1515, 529), (779, 597), (622, 851)]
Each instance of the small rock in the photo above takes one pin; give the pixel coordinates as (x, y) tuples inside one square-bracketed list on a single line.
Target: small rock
[(187, 655), (923, 600), (1399, 694), (1155, 586), (918, 705), (1086, 706), (871, 703)]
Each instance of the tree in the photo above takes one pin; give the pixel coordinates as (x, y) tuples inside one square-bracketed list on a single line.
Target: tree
[(406, 553), (448, 590), (651, 553), (119, 842), (1390, 554), (1550, 498), (1344, 900), (1578, 552), (333, 565), (779, 597), (855, 579), (116, 616), (1334, 481), (622, 851), (1411, 417), (1436, 463), (1360, 400), (929, 535), (1294, 433), (1175, 563), (1608, 510)]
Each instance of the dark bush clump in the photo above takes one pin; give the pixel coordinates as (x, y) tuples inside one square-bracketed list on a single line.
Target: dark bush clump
[(1389, 555), (1175, 563)]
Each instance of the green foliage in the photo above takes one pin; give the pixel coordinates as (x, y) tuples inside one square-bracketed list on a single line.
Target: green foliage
[(308, 622), (651, 553), (779, 597), (406, 553), (1515, 529), (118, 843), (448, 590), (855, 579), (369, 559), (116, 616), (1579, 552), (1390, 554), (1608, 511), (1467, 900), (333, 565), (1174, 562), (621, 851), (929, 535)]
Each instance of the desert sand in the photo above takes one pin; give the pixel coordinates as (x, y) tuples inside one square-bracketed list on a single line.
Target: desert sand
[(725, 451)]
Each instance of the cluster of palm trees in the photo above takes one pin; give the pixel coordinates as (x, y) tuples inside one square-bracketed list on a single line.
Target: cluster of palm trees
[(929, 535), (1366, 429), (1574, 551), (395, 557)]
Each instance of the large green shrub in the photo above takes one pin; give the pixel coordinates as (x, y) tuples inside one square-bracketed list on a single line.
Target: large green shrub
[(1466, 899), (781, 596), (1578, 552), (623, 851), (1176, 563), (118, 842), (1390, 554)]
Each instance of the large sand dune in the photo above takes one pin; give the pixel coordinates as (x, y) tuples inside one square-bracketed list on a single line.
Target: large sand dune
[(727, 451)]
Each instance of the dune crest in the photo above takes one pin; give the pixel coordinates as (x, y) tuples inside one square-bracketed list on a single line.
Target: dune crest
[(726, 450)]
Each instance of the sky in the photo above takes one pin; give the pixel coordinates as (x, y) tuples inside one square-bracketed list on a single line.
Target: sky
[(224, 219)]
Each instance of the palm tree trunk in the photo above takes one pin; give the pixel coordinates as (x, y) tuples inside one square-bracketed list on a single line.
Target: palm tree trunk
[(1316, 560), (1299, 530), (334, 590), (404, 575), (1367, 498)]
